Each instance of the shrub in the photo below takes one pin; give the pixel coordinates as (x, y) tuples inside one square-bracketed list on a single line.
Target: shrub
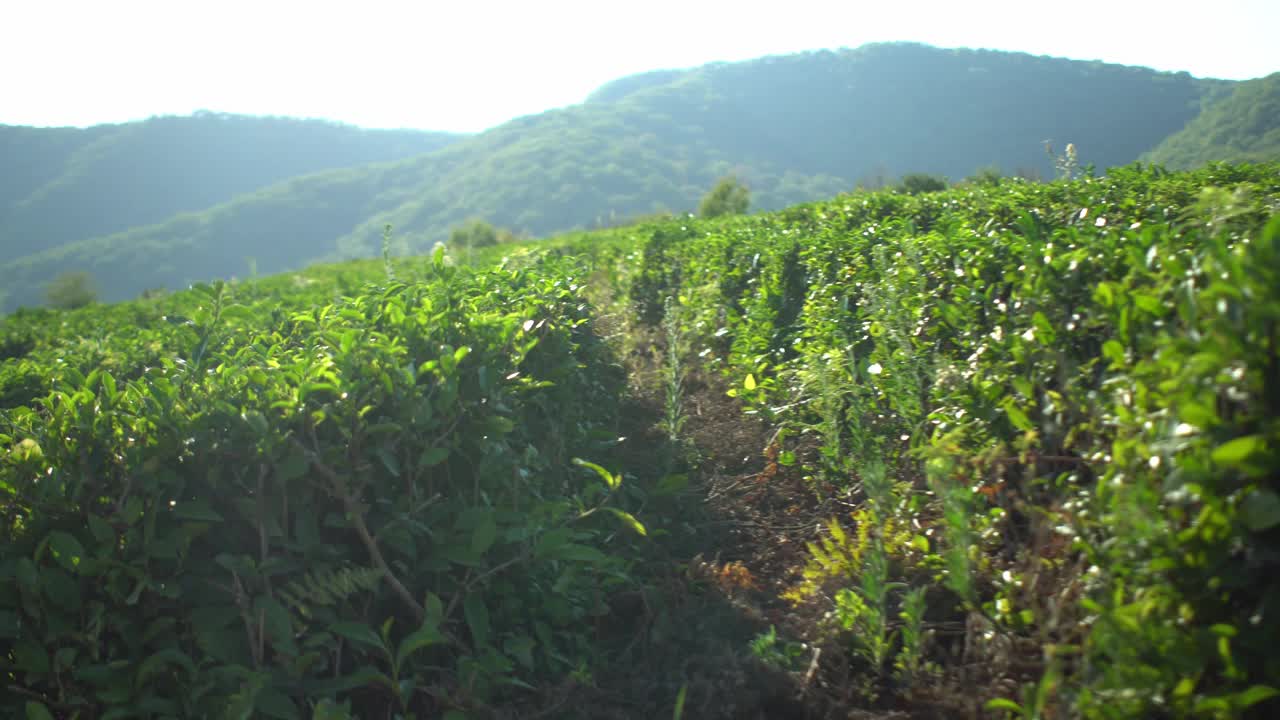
[(71, 290), (369, 501), (918, 183), (729, 197)]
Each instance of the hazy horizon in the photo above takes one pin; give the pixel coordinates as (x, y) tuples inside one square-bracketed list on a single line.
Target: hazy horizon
[(465, 69)]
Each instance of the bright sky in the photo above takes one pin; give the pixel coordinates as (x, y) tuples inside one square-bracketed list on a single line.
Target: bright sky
[(470, 64)]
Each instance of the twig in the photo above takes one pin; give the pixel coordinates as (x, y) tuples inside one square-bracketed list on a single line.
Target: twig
[(263, 546), (813, 669), (362, 530)]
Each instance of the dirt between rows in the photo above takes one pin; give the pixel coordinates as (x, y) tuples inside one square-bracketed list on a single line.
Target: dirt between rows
[(721, 554)]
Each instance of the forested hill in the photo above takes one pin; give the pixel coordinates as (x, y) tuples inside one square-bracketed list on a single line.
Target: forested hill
[(795, 127), (1245, 125), (65, 184)]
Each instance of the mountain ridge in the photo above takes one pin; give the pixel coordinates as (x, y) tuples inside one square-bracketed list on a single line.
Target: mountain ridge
[(120, 176), (1240, 125), (795, 127)]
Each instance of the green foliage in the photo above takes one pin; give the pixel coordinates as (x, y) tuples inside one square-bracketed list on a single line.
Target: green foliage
[(1053, 407), (1072, 383), (728, 197), (917, 183), (989, 175), (909, 663), (64, 185), (784, 655), (476, 234), (1241, 126), (673, 371), (801, 127), (275, 500), (71, 290)]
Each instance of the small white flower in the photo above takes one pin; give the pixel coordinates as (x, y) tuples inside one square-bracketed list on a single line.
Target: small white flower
[(997, 334), (875, 369), (1029, 335), (1154, 462), (1184, 429)]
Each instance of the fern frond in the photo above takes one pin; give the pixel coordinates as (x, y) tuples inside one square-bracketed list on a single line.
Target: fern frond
[(328, 587)]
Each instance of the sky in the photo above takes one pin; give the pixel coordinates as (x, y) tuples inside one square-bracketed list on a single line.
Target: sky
[(466, 65)]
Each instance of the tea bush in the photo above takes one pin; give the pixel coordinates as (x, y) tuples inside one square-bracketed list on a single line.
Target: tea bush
[(278, 505), (1052, 407), (1073, 387)]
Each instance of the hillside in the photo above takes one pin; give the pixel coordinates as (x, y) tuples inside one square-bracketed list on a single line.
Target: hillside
[(795, 127), (972, 454), (1242, 126), (61, 185)]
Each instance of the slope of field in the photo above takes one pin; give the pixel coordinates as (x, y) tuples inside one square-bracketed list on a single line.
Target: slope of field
[(794, 127), (1243, 126), (1000, 441), (61, 185)]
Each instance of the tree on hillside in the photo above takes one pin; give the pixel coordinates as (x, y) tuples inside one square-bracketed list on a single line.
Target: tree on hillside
[(986, 176), (478, 233), (473, 234), (71, 290), (729, 197), (917, 183)]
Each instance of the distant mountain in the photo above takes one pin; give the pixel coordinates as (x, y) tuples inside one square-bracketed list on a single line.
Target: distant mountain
[(59, 185), (795, 127), (1242, 126)]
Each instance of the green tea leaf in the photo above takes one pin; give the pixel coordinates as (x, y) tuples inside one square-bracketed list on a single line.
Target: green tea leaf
[(1004, 704), (1044, 329), (160, 660), (579, 553), (327, 709), (629, 519), (30, 656), (610, 480), (10, 625), (67, 550), (671, 484), (1254, 695), (389, 461), (1017, 416), (1236, 453), (423, 637), (477, 614), (273, 703), (357, 633), (37, 711), (256, 421), (102, 531), (484, 534), (1261, 510), (433, 456), (198, 510), (550, 543), (62, 588)]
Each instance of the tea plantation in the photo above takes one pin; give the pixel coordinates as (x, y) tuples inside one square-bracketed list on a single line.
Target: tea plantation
[(1037, 427)]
